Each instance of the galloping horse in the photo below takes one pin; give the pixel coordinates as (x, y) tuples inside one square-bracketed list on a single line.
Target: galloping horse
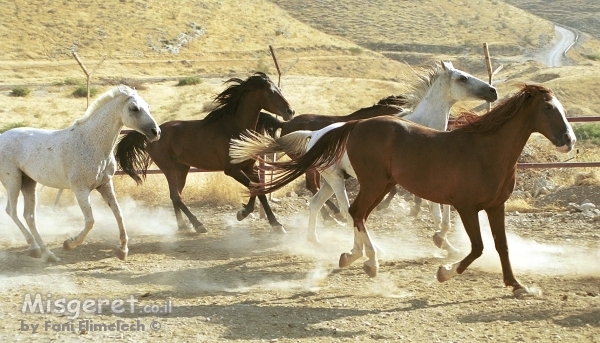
[(204, 144), (432, 96), (391, 105), (79, 157), (478, 162)]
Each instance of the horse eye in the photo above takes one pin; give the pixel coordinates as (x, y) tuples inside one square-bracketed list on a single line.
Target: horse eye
[(135, 108), (548, 107), (463, 78)]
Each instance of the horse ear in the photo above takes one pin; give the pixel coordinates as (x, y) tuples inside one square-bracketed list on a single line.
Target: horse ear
[(447, 65)]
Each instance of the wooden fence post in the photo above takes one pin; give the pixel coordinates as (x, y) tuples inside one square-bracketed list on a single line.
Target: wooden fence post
[(87, 74)]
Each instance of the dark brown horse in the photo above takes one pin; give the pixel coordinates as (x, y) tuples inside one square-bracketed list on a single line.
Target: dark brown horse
[(472, 168), (204, 144)]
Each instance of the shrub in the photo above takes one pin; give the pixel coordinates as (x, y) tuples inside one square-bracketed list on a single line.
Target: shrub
[(189, 81), (356, 51), (20, 91), (588, 132), (81, 92)]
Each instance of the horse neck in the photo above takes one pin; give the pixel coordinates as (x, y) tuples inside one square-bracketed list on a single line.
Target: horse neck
[(508, 141), (103, 126), (434, 109), (246, 113)]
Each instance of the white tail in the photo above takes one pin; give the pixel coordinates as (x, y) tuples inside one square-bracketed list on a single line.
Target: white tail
[(251, 145)]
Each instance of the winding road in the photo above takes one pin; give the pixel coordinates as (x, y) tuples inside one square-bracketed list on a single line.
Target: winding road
[(555, 56)]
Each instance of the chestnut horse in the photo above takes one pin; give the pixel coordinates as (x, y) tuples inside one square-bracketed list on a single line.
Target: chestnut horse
[(204, 144), (478, 162)]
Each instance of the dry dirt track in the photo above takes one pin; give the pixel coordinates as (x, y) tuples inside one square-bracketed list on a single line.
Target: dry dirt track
[(240, 282)]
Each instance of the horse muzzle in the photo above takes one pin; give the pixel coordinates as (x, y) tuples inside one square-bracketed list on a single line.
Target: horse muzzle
[(153, 134), (569, 141)]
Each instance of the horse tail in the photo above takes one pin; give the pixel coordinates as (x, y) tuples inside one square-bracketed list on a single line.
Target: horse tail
[(326, 152), (252, 145), (131, 155), (268, 124)]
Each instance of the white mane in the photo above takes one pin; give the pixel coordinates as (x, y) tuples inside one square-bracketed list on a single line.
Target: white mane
[(103, 99), (418, 89)]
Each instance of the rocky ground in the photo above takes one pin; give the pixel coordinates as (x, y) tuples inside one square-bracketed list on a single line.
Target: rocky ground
[(241, 282)]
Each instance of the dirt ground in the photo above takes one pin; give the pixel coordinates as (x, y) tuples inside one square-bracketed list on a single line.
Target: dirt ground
[(241, 282)]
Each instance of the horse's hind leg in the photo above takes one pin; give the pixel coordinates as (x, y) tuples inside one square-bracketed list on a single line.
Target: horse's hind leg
[(316, 204), (440, 238), (313, 184), (108, 194), (12, 183), (386, 203), (29, 200), (416, 209)]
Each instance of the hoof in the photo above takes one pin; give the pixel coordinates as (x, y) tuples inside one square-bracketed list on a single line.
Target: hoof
[(446, 273), (240, 215), (278, 228), (121, 254), (370, 270), (200, 228), (68, 244), (48, 256), (526, 292), (35, 253), (345, 260)]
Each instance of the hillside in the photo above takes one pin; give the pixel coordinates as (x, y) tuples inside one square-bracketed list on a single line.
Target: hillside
[(351, 40)]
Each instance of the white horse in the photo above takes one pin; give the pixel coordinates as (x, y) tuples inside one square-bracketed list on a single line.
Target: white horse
[(433, 95), (79, 158)]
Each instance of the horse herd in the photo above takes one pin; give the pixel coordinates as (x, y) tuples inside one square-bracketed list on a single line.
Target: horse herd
[(402, 140)]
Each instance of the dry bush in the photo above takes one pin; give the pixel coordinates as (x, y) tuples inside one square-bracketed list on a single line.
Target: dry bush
[(586, 179), (521, 205)]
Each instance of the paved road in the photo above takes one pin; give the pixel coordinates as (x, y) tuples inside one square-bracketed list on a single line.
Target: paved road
[(565, 37)]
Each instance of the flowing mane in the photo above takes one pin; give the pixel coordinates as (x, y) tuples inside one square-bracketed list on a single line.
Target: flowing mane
[(490, 122), (228, 99), (418, 89), (103, 99)]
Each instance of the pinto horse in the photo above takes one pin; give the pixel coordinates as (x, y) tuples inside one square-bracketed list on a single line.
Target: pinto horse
[(478, 162), (204, 144), (391, 105), (79, 158), (429, 103)]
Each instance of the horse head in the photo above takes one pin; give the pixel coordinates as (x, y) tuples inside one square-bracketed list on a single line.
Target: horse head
[(466, 86), (272, 99), (136, 114), (548, 117)]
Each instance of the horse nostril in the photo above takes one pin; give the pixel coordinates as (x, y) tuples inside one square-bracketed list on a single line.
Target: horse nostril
[(291, 111), (493, 90), (155, 132)]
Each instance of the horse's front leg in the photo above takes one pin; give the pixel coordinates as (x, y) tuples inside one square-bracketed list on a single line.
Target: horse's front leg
[(246, 209), (108, 194), (245, 177), (83, 199)]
